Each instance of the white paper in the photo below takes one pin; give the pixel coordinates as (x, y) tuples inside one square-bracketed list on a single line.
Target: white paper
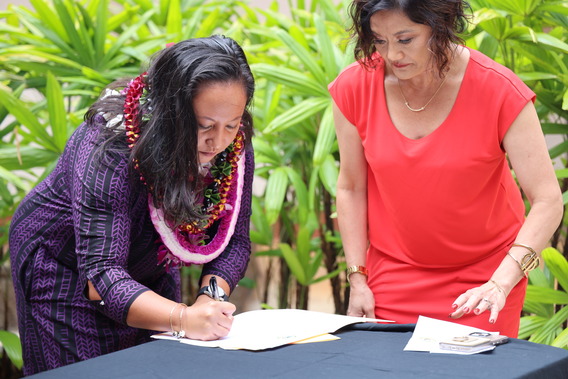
[(264, 329), (429, 332)]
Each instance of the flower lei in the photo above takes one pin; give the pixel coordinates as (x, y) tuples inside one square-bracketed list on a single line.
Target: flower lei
[(187, 243)]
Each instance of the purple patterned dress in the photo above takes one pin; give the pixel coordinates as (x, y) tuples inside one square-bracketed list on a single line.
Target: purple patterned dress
[(89, 221)]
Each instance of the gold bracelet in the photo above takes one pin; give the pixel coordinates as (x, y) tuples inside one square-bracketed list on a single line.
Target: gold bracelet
[(498, 287), (356, 269), (529, 261)]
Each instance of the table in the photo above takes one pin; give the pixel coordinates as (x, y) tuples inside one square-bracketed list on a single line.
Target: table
[(358, 354)]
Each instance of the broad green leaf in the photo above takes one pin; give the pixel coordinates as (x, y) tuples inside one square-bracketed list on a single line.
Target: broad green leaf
[(263, 233), (21, 112), (31, 157), (561, 340), (303, 55), (124, 37), (547, 332), (173, 25), (530, 76), (265, 153), (325, 138), (328, 173), (547, 295), (301, 194), (529, 325), (326, 49), (274, 194), (293, 263), (71, 33), (12, 346), (13, 178), (101, 29), (303, 246), (558, 265), (297, 114), (47, 16), (56, 110), (291, 78)]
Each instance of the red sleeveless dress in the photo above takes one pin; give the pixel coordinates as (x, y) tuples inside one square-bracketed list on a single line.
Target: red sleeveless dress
[(443, 210)]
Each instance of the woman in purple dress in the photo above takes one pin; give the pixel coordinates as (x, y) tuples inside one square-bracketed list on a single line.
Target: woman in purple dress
[(158, 176)]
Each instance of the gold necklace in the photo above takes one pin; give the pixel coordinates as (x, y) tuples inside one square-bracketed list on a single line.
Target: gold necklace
[(429, 101)]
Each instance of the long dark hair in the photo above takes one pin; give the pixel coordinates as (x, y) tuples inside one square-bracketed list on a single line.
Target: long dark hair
[(446, 18), (166, 151)]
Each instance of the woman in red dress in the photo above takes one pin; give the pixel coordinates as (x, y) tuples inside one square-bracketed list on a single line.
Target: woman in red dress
[(432, 220)]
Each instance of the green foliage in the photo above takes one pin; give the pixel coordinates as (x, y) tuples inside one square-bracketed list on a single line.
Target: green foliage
[(58, 55), (11, 344), (546, 304), (294, 60)]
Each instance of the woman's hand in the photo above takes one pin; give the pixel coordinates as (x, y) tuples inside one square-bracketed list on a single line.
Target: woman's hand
[(361, 298), (208, 319), (488, 297)]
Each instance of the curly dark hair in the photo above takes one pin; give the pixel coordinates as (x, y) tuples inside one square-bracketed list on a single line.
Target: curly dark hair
[(446, 18), (174, 78)]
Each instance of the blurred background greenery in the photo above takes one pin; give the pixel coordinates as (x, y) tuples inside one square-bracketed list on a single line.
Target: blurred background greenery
[(57, 55)]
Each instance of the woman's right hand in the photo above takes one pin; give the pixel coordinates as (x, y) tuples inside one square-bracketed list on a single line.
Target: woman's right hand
[(208, 319), (361, 298)]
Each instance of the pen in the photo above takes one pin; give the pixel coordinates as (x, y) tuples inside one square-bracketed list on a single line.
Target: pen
[(214, 289)]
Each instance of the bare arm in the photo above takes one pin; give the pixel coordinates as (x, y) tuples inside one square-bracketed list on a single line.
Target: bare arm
[(206, 319), (352, 211), (528, 154)]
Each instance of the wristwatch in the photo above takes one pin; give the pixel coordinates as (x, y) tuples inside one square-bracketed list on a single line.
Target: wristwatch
[(213, 291)]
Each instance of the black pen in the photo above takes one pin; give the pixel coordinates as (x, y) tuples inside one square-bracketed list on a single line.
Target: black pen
[(214, 288)]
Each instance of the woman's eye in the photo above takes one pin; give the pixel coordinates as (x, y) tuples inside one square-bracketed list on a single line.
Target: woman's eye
[(405, 41), (205, 127), (377, 41)]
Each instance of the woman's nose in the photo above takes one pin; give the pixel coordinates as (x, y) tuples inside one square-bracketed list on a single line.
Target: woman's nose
[(393, 54)]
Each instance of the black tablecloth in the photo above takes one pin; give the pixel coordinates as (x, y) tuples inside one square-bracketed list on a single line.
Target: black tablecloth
[(358, 354)]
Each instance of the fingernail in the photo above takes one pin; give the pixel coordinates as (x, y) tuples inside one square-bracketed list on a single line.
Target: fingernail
[(476, 311), (491, 321), (450, 315), (466, 310), (454, 306)]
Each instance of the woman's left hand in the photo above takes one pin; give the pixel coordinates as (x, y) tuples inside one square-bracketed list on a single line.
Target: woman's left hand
[(488, 297)]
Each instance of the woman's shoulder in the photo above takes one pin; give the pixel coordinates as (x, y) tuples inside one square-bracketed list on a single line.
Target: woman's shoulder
[(496, 75)]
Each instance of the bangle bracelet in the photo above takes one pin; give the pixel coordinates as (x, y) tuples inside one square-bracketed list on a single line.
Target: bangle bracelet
[(180, 333), (171, 323), (529, 262), (356, 269)]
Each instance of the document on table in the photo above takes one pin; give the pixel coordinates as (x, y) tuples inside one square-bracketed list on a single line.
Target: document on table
[(265, 329), (429, 332)]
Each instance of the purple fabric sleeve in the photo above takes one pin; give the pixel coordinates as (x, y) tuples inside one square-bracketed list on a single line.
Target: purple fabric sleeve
[(101, 198)]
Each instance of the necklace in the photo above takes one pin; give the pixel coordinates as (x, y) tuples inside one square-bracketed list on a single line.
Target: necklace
[(429, 101), (187, 244)]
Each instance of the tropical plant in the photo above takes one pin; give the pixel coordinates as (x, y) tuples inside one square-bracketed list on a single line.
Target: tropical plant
[(546, 302), (294, 60)]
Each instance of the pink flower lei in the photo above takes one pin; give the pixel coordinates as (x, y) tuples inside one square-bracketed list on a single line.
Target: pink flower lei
[(187, 244)]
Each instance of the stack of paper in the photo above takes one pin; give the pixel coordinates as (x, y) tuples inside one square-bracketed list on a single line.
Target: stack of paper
[(430, 332), (264, 329)]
